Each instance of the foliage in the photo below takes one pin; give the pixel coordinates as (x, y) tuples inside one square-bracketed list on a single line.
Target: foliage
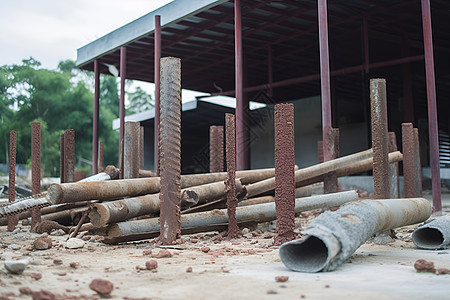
[(138, 101)]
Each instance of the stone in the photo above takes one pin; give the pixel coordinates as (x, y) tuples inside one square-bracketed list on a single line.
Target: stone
[(281, 278), (42, 243), (57, 232), (421, 265), (162, 254), (74, 243), (25, 290), (151, 265), (43, 295), (16, 231), (101, 286), (16, 266), (13, 247)]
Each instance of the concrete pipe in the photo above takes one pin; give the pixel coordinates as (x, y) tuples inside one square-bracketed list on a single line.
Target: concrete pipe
[(434, 234), (333, 236)]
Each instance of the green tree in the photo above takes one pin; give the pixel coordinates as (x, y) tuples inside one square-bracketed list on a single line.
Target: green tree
[(138, 101)]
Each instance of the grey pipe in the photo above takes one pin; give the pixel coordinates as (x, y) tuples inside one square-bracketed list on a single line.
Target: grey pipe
[(434, 234), (333, 236)]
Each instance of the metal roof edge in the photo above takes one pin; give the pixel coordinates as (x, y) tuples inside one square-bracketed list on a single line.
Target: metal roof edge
[(142, 26)]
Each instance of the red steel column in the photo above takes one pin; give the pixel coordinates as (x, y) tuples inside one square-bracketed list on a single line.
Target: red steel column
[(95, 118), (157, 90), (14, 219), (123, 74), (324, 76), (432, 110), (242, 162)]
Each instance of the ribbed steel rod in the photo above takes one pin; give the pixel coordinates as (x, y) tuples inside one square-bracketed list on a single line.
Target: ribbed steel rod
[(12, 220)]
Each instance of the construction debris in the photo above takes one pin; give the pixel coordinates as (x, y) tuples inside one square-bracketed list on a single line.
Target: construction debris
[(434, 234)]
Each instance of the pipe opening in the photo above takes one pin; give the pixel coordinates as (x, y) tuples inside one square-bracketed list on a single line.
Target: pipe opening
[(428, 238), (309, 254)]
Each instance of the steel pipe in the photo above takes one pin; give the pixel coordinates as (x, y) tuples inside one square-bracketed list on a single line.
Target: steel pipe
[(434, 234), (202, 221), (333, 236)]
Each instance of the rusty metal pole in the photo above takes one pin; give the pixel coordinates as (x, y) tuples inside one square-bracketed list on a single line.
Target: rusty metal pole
[(101, 163), (284, 173), (417, 164), (141, 147), (170, 150), (432, 109), (320, 152), (215, 149), (131, 150), (95, 118), (324, 77), (35, 169), (157, 91), (123, 75), (69, 155), (61, 158), (12, 220), (379, 138), (241, 105), (230, 182), (393, 168), (408, 160), (330, 182)]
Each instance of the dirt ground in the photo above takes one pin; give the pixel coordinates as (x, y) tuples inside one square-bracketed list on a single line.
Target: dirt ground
[(244, 268)]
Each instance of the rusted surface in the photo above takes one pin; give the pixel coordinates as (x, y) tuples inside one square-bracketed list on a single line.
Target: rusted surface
[(408, 160), (320, 152), (330, 181), (69, 155), (12, 220), (79, 175), (101, 162), (230, 182), (170, 150), (131, 158), (216, 149), (35, 169), (284, 173), (417, 165), (61, 158), (393, 169), (379, 138), (141, 147)]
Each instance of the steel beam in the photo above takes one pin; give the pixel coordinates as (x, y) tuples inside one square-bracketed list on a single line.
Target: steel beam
[(123, 75), (157, 77), (95, 118), (432, 109)]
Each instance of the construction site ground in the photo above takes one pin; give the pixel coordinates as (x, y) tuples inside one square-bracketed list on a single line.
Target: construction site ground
[(243, 268)]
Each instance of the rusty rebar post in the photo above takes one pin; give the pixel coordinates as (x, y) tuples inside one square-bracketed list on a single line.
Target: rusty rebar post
[(230, 182), (170, 150), (141, 147), (12, 220), (101, 162), (379, 138), (69, 155), (330, 181), (61, 158), (393, 169), (131, 150), (35, 169), (320, 152), (409, 186), (215, 149), (417, 164), (284, 173)]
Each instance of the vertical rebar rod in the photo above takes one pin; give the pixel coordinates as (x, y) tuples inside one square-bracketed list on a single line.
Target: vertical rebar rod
[(324, 76), (170, 150), (35, 169), (69, 155), (215, 149), (432, 109), (408, 160), (330, 182), (131, 150), (95, 118), (61, 158), (284, 173), (393, 168), (379, 138), (123, 75), (157, 90), (230, 182), (101, 162), (141, 147), (417, 164), (14, 219)]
